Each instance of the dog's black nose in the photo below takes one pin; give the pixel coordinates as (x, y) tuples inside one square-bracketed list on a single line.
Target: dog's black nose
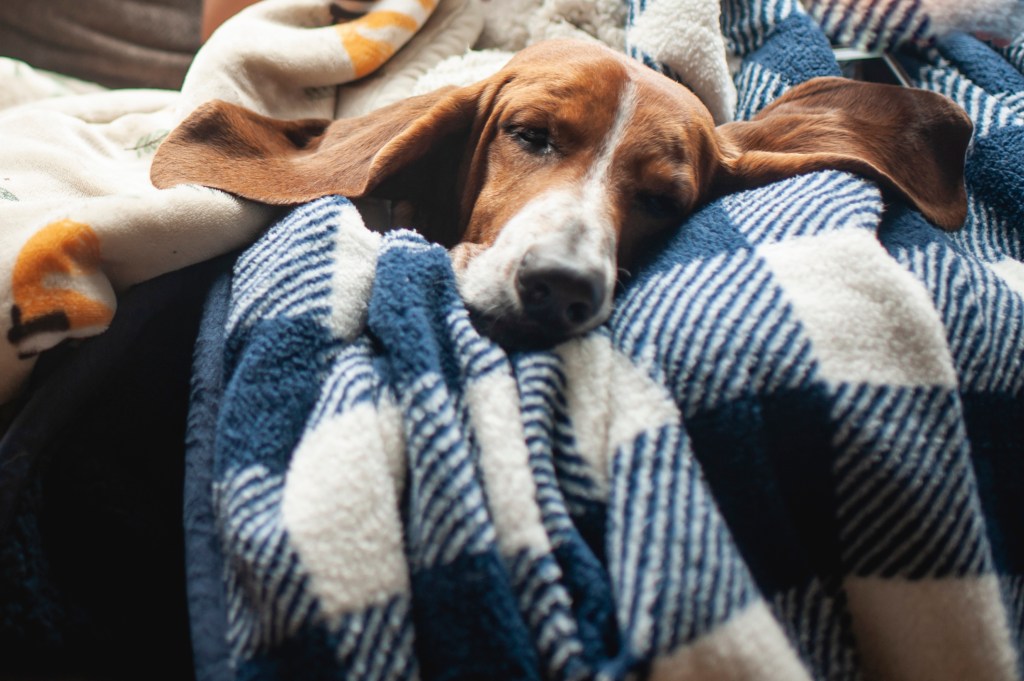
[(557, 295)]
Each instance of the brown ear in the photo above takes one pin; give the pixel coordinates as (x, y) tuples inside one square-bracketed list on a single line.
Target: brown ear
[(912, 142), (228, 147)]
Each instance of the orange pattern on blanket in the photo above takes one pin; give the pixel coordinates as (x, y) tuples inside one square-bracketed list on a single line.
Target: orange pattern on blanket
[(369, 53), (40, 284)]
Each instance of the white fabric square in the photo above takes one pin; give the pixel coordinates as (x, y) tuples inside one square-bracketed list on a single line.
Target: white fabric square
[(869, 320)]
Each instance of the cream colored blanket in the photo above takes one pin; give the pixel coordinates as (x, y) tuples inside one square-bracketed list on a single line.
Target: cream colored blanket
[(79, 218)]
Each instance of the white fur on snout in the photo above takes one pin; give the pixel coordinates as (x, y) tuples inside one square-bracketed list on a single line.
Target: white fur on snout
[(574, 224), (557, 224)]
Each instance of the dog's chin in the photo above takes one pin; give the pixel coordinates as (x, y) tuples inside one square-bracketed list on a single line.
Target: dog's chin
[(518, 333)]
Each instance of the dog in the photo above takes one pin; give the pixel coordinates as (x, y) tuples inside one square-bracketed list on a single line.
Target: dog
[(553, 175)]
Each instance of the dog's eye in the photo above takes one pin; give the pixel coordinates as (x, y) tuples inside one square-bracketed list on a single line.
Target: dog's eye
[(534, 140), (658, 206)]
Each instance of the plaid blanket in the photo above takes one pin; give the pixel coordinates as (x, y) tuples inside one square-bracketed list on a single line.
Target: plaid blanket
[(794, 451)]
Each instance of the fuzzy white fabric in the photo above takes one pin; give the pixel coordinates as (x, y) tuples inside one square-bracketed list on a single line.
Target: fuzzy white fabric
[(749, 647), (610, 400), (461, 70), (340, 508), (897, 623), (514, 24), (684, 37), (870, 320)]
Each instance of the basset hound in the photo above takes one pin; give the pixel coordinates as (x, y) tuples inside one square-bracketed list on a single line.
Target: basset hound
[(556, 173)]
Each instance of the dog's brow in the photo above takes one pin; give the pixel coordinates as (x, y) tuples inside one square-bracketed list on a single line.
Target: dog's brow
[(529, 111)]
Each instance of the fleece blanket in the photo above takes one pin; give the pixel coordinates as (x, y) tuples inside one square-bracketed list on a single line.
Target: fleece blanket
[(81, 221), (794, 451)]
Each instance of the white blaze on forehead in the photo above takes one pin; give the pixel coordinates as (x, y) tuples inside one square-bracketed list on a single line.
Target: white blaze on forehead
[(574, 222), (597, 186)]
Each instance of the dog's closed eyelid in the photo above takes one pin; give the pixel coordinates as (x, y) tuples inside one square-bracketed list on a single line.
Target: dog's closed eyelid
[(534, 139)]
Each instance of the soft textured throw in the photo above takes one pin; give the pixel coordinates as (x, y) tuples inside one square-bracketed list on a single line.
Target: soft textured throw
[(794, 452)]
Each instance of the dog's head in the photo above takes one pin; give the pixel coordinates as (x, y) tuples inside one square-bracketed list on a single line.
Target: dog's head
[(553, 174)]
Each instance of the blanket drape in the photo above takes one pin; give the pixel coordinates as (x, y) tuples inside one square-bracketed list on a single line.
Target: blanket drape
[(793, 452)]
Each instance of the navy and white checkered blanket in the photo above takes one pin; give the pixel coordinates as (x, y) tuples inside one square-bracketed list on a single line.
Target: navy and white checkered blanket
[(796, 451)]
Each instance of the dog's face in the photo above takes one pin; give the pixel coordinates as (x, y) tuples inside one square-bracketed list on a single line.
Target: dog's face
[(555, 174), (583, 158)]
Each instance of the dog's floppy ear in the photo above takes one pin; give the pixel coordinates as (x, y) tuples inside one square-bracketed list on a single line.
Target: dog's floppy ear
[(229, 147), (912, 142)]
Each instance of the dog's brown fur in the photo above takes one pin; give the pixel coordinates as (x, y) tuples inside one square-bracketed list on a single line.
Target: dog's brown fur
[(457, 155)]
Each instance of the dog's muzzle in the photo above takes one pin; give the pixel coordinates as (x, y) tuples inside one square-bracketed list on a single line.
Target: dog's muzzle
[(557, 296)]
